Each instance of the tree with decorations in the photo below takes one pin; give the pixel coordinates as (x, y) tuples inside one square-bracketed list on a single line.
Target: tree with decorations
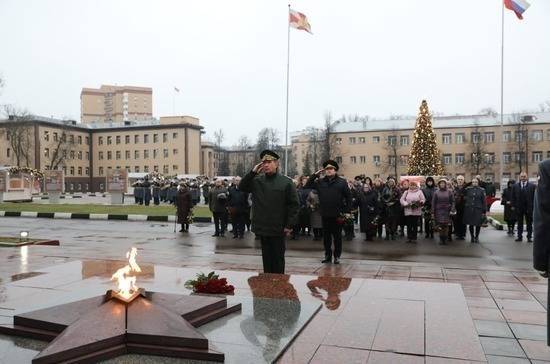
[(424, 159)]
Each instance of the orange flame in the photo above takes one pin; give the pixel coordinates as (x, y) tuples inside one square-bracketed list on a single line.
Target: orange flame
[(127, 284)]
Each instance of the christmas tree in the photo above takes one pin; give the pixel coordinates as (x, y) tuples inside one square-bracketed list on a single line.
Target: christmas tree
[(424, 159)]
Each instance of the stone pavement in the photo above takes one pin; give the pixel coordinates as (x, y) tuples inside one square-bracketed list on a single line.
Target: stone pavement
[(492, 283)]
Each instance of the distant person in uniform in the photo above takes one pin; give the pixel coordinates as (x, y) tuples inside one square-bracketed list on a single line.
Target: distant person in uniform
[(274, 209)]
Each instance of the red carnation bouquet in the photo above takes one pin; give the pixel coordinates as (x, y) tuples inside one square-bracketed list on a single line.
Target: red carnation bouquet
[(210, 283)]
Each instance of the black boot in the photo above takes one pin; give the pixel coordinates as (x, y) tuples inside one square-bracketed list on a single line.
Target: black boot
[(328, 259)]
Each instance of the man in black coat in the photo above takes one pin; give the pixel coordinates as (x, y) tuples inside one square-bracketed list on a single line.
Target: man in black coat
[(541, 219), (523, 194), (238, 204), (335, 199)]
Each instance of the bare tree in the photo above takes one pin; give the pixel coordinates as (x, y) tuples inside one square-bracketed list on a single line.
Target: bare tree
[(223, 163), (479, 158), (244, 148), (329, 142), (488, 111), (521, 141), (19, 134), (60, 147), (312, 158), (268, 138), (392, 148)]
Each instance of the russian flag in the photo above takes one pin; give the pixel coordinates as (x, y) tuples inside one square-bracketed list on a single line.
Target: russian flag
[(517, 6)]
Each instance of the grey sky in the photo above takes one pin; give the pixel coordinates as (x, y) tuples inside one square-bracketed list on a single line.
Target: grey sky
[(229, 57)]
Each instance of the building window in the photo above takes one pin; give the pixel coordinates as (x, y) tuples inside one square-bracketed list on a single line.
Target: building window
[(55, 138), (117, 139), (507, 157), (404, 160), (87, 171), (392, 140), (338, 160), (518, 156), (100, 155), (376, 139), (136, 169), (362, 159), (72, 171), (155, 153), (353, 159), (490, 158), (537, 157), (109, 155), (80, 171), (175, 167), (174, 135), (118, 154), (136, 139), (174, 151), (391, 160), (72, 154), (127, 154), (548, 154), (127, 168), (165, 153), (338, 141), (506, 136), (100, 140), (164, 137), (87, 140), (46, 152), (8, 152), (518, 135), (146, 154), (109, 140), (71, 139), (136, 154), (537, 135), (79, 154), (165, 169), (352, 140), (87, 156), (156, 168), (404, 140), (46, 135), (446, 138), (155, 138), (146, 169), (362, 140), (80, 139), (145, 138), (490, 137), (459, 158), (475, 137), (376, 160), (127, 139), (447, 159), (460, 138)]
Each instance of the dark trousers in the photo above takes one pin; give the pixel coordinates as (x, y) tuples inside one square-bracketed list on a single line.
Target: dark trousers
[(391, 225), (332, 231), (528, 221), (412, 227), (156, 200), (220, 222), (459, 227), (273, 254), (474, 230), (238, 224)]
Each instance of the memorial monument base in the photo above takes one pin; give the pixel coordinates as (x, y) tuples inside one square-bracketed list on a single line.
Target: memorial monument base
[(116, 198)]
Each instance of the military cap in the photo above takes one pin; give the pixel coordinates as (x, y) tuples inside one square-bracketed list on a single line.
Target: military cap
[(330, 163), (269, 155)]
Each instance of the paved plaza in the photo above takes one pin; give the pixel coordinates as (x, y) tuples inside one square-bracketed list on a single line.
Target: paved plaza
[(388, 302)]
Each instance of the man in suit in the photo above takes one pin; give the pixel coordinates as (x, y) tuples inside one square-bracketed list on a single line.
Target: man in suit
[(523, 194)]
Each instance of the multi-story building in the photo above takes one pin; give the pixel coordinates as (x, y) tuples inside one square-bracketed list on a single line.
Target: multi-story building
[(116, 103), (469, 145), (171, 146)]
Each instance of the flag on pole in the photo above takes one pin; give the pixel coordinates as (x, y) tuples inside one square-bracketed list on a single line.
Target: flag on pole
[(517, 6), (299, 21), (176, 89)]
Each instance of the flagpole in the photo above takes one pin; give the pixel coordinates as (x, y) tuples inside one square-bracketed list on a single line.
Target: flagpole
[(501, 96), (287, 84), (174, 102)]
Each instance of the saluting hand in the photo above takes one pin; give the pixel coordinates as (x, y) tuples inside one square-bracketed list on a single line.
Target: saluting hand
[(257, 168), (319, 172)]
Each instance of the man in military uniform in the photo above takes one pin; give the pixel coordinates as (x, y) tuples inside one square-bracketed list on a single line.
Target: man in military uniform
[(274, 209), (335, 199)]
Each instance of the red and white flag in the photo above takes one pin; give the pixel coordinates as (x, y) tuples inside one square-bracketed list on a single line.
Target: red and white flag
[(299, 21)]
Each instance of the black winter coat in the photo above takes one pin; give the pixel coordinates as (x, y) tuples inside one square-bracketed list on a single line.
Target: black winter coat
[(509, 214), (334, 194), (523, 203), (369, 208), (541, 219), (238, 200)]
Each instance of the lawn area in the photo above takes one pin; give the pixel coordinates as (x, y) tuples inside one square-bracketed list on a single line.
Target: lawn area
[(498, 217), (163, 210)]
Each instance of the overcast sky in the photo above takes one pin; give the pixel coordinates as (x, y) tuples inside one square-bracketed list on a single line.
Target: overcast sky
[(229, 57)]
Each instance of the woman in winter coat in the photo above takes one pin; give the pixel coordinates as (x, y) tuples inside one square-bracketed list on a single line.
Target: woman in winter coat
[(378, 187), (402, 220), (443, 206), (412, 201), (392, 207), (509, 214), (369, 208), (474, 209), (183, 206), (315, 219), (428, 192)]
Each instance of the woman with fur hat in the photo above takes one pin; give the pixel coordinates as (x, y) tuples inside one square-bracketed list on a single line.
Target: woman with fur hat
[(392, 207), (474, 209), (443, 206)]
